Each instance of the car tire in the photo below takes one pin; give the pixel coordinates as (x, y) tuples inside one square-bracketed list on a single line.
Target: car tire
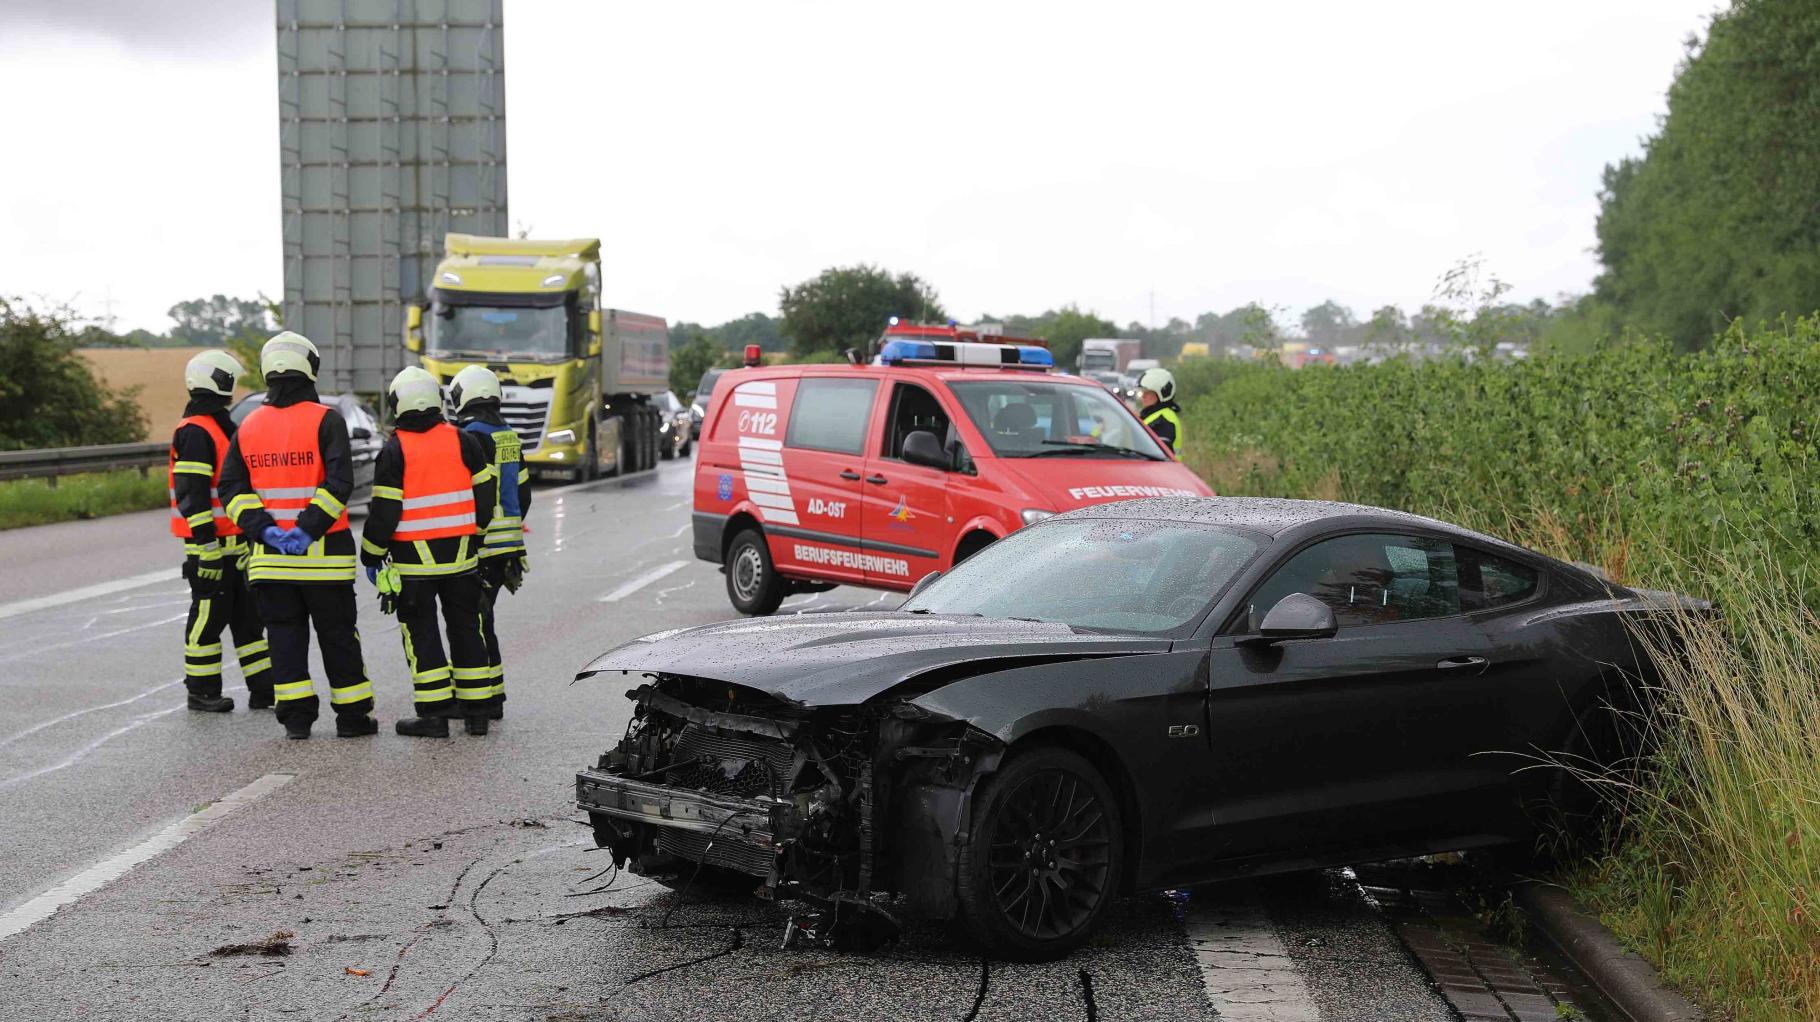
[(1570, 812), (1029, 896), (753, 584)]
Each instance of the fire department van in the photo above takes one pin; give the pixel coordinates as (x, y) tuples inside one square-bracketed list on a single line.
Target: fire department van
[(875, 475)]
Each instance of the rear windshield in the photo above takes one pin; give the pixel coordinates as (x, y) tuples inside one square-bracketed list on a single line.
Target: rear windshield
[(706, 386)]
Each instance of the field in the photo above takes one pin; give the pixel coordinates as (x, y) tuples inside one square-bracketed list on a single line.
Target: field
[(157, 372), (1696, 472), (88, 495)]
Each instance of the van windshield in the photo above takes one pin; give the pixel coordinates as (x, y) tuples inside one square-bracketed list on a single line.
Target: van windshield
[(1039, 418)]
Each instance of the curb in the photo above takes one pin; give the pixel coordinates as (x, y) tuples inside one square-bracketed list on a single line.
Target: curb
[(1622, 976)]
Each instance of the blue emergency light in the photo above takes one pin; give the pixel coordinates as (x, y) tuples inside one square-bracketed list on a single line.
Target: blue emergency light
[(914, 351)]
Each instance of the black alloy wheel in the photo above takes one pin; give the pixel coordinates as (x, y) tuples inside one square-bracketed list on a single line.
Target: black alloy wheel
[(1044, 860)]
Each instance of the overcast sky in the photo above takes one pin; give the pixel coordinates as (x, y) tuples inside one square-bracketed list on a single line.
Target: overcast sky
[(1017, 156)]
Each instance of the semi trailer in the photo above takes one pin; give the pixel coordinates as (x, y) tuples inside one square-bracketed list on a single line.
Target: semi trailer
[(577, 381)]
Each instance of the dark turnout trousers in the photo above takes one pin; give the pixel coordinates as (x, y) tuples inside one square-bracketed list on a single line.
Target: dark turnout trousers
[(461, 683), (230, 608), (289, 610), (492, 582)]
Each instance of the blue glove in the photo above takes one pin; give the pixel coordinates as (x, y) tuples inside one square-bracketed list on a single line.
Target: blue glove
[(372, 574), (295, 542), (274, 537)]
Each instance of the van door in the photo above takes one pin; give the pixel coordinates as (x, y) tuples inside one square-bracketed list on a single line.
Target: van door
[(822, 456), (909, 523)]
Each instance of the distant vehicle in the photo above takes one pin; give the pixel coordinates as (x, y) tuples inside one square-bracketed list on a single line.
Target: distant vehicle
[(365, 438), (576, 380), (1130, 697), (874, 475), (698, 405), (1195, 349), (1107, 354), (1135, 368), (675, 427), (1297, 355)]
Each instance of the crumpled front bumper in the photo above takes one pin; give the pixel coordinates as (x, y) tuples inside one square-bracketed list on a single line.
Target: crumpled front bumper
[(719, 818)]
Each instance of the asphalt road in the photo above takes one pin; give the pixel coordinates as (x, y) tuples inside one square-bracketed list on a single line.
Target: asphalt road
[(448, 879)]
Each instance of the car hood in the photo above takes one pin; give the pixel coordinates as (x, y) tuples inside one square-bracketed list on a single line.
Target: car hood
[(844, 659), (1070, 482)]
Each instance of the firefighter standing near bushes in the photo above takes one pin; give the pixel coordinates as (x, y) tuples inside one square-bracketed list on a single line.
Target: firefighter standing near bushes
[(1156, 389), (433, 497), (286, 481), (475, 395), (213, 547)]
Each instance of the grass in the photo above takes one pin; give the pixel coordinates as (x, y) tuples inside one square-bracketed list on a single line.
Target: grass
[(87, 495)]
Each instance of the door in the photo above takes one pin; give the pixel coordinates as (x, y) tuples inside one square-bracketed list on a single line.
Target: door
[(822, 455), (909, 526), (1321, 747)]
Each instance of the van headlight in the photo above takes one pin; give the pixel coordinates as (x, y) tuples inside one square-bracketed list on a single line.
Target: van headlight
[(1032, 515), (561, 436)]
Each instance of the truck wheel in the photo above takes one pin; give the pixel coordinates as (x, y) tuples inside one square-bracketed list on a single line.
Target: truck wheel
[(1044, 859), (589, 469), (752, 582)]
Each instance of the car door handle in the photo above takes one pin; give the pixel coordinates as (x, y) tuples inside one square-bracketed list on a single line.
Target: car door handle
[(1454, 663), (849, 475), (876, 480)]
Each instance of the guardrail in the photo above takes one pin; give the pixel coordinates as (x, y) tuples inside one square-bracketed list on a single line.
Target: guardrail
[(51, 462)]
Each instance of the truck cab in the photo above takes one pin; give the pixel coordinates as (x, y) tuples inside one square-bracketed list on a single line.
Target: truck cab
[(531, 311), (877, 474)]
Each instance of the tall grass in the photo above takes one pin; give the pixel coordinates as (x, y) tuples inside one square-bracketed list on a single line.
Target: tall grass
[(1696, 473), (87, 495)]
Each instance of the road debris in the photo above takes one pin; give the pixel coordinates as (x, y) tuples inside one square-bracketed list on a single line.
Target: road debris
[(275, 946), (350, 970)]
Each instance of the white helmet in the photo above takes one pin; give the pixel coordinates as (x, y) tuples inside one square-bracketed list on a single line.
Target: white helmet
[(214, 371), (474, 383), (289, 352), (414, 389), (1158, 381)]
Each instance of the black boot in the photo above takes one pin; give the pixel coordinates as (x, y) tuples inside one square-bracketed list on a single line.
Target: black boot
[(297, 732), (496, 713), (355, 727), (211, 704), (259, 702), (423, 727), (477, 725)]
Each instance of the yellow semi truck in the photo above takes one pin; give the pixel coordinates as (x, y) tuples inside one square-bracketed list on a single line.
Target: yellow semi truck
[(577, 381)]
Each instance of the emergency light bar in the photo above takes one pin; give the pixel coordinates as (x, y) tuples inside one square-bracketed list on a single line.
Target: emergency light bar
[(905, 351)]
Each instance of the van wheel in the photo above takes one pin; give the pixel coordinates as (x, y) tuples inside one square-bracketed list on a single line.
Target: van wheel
[(752, 582)]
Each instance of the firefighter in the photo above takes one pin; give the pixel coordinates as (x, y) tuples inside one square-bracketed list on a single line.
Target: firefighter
[(212, 544), (1156, 390), (474, 393), (433, 497), (286, 482)]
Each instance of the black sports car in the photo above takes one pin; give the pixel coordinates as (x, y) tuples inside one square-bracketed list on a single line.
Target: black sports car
[(1132, 696)]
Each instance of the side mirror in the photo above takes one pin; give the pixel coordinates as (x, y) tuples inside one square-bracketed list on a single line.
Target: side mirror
[(922, 448), (923, 583), (413, 327), (1296, 616), (360, 433)]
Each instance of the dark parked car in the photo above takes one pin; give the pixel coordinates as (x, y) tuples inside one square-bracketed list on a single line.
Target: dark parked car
[(698, 406), (1127, 697), (364, 437), (678, 435)]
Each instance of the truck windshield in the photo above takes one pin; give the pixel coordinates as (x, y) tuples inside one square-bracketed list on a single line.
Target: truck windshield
[(1037, 418), (500, 331), (1092, 360)]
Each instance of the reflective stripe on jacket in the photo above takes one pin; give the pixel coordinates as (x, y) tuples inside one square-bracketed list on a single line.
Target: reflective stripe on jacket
[(180, 526), (505, 533), (279, 447), (1167, 414)]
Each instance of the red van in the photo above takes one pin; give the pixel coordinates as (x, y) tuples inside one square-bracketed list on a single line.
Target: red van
[(811, 476)]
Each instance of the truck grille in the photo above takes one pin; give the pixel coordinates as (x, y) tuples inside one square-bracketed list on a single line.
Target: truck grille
[(526, 409)]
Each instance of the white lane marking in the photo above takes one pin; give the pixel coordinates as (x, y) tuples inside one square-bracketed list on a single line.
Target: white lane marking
[(36, 650), (641, 581), (54, 721), (86, 593), (682, 529), (109, 870), (680, 504), (1246, 972), (80, 754)]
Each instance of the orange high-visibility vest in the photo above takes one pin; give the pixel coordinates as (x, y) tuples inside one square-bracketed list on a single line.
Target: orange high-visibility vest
[(438, 487), (224, 526), (282, 460)]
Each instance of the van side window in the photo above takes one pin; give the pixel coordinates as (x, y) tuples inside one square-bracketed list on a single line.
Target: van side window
[(1369, 579), (913, 409), (831, 414)]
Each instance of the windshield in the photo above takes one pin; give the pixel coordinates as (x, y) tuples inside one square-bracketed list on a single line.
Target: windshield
[(1092, 360), (505, 332), (1039, 418), (1118, 575)]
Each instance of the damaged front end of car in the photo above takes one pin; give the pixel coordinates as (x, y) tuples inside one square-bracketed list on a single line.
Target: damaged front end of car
[(860, 811)]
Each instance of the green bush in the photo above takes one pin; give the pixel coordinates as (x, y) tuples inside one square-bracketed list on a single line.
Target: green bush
[(88, 495), (48, 396)]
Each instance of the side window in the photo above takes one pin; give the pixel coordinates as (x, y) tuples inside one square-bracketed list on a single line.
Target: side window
[(1487, 581), (1369, 579), (912, 409), (830, 414)]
